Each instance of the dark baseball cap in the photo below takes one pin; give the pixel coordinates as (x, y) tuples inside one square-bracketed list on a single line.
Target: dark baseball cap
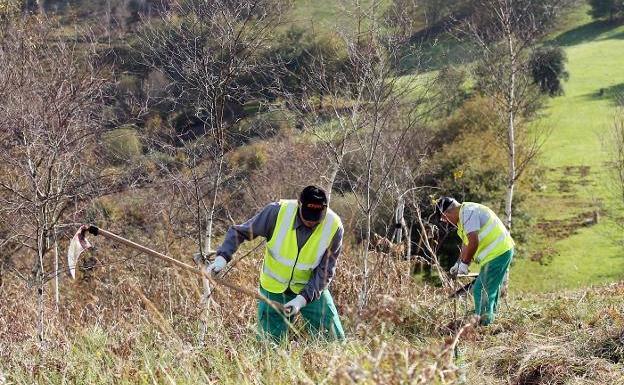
[(443, 204), (313, 201)]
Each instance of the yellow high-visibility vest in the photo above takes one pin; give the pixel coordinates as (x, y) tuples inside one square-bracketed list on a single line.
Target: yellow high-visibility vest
[(494, 238), (284, 264)]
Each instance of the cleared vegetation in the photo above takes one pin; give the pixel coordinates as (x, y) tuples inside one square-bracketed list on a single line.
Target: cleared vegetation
[(112, 330)]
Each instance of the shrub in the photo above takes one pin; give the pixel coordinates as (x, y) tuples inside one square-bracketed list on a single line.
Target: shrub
[(264, 125), (610, 8), (345, 205), (118, 211), (304, 56), (129, 84), (122, 144), (164, 162), (548, 69), (249, 158), (154, 126)]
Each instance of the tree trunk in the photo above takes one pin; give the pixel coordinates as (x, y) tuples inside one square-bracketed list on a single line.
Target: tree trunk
[(57, 297), (511, 136), (364, 292), (40, 310), (40, 7), (207, 289), (209, 225), (511, 181), (399, 221), (332, 179), (409, 239), (39, 282), (369, 213)]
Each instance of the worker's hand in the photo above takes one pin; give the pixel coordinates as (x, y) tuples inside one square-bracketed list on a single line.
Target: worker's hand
[(216, 266), (293, 306), (459, 268)]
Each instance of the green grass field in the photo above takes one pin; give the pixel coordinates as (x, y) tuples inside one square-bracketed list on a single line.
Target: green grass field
[(329, 13), (574, 155)]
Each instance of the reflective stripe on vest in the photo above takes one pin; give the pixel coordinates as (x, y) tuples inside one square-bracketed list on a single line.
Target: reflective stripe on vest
[(284, 264), (494, 239)]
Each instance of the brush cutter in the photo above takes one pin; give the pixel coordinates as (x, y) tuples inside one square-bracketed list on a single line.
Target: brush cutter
[(79, 243)]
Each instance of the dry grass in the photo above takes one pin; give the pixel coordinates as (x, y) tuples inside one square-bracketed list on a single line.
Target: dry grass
[(138, 322)]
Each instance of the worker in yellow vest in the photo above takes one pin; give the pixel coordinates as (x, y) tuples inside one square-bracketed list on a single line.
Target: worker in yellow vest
[(487, 242), (304, 240)]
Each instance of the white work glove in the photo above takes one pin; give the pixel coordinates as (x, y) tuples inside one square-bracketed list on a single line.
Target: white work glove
[(293, 306), (459, 268), (216, 266)]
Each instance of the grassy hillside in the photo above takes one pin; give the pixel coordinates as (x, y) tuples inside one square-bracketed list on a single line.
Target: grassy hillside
[(316, 12), (317, 15), (572, 337), (576, 179)]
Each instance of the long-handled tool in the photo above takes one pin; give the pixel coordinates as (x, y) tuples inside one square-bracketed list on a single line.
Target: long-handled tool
[(461, 292), (464, 289), (80, 243)]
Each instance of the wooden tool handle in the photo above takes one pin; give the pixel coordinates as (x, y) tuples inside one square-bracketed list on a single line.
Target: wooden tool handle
[(107, 234)]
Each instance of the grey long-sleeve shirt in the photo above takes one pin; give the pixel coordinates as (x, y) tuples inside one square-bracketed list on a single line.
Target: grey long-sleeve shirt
[(263, 223)]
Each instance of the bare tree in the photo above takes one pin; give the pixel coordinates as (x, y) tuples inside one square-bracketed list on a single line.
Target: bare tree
[(368, 112), (213, 55), (505, 32), (49, 100)]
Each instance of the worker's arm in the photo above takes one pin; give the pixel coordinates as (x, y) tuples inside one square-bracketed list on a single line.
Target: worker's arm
[(468, 251), (325, 271), (262, 224)]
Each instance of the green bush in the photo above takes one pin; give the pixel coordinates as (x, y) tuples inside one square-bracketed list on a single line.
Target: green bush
[(345, 205), (264, 125), (548, 69), (119, 211), (155, 126), (122, 144), (606, 8), (451, 84), (249, 158), (129, 84), (304, 55)]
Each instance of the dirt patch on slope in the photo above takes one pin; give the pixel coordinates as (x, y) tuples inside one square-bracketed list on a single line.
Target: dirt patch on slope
[(563, 228)]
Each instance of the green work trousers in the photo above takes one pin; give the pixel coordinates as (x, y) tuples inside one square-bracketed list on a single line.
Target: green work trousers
[(487, 286), (321, 317)]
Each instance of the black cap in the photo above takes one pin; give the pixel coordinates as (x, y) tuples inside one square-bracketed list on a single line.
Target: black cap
[(313, 203), (443, 203)]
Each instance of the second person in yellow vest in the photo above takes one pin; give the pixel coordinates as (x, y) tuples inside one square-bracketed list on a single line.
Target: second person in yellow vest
[(487, 242)]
